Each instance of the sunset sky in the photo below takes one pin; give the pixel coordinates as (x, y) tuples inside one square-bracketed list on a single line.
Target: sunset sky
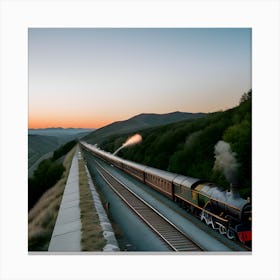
[(89, 78)]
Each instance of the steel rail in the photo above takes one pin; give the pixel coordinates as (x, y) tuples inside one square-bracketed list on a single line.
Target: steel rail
[(167, 231)]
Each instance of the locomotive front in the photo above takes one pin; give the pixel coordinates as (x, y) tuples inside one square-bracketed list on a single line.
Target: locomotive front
[(235, 211)]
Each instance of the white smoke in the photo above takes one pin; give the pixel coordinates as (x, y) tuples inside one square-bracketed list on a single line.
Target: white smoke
[(133, 140), (192, 138), (226, 161)]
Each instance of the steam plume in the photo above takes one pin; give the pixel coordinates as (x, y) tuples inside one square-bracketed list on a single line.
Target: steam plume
[(226, 161), (135, 139)]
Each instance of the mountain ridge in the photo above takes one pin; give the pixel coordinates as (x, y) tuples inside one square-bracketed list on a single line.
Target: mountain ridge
[(58, 129), (138, 122)]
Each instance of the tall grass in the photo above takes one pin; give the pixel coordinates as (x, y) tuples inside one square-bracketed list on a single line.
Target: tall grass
[(92, 233), (42, 217)]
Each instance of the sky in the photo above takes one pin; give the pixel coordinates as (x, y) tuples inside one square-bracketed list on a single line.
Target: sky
[(91, 77)]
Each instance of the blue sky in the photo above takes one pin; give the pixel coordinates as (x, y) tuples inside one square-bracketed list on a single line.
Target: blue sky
[(92, 77)]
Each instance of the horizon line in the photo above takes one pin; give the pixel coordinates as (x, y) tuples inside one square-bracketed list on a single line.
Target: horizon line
[(95, 128), (61, 127)]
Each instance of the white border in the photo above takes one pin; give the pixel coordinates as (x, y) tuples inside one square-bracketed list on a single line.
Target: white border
[(17, 16)]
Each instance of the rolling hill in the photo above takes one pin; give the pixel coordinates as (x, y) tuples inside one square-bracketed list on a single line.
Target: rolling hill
[(42, 143), (63, 135), (137, 123), (39, 145)]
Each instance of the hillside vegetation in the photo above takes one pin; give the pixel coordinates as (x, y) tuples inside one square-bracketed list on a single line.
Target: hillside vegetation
[(62, 150), (42, 217), (137, 123), (42, 142), (187, 147), (48, 172), (39, 145)]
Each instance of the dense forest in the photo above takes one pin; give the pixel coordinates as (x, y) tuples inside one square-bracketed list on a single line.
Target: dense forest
[(187, 147)]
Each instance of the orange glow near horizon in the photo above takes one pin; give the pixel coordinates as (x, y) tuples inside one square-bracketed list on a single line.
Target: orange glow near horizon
[(45, 119), (36, 124)]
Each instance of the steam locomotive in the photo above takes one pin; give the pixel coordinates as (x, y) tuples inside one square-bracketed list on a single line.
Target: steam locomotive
[(224, 211)]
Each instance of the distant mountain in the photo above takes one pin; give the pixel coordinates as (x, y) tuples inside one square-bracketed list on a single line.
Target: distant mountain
[(39, 145), (137, 123), (62, 134), (59, 131), (42, 142)]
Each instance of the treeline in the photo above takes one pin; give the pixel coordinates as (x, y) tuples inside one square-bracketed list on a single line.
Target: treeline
[(47, 174), (187, 147), (63, 150)]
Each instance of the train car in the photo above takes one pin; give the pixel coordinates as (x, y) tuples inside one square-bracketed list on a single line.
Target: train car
[(109, 158), (134, 169), (225, 211), (184, 192), (160, 180)]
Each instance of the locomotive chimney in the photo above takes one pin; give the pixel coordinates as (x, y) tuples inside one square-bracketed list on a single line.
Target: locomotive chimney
[(234, 189)]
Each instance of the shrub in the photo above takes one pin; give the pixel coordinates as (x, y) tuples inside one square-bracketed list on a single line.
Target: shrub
[(45, 176)]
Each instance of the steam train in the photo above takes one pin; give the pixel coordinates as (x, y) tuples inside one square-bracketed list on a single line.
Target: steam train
[(224, 211)]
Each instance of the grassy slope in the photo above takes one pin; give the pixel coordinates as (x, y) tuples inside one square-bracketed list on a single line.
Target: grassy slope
[(92, 233), (42, 217)]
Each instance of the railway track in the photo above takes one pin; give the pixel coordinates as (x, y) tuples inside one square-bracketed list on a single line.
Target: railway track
[(168, 232)]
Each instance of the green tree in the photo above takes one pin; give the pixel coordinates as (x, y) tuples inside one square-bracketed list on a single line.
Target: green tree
[(44, 177), (246, 96), (63, 150)]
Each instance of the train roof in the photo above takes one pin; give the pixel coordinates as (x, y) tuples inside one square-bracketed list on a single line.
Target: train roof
[(185, 181), (115, 158), (179, 179), (138, 166), (99, 151), (164, 174)]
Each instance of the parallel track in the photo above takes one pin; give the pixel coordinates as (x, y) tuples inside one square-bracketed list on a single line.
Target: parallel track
[(168, 232)]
